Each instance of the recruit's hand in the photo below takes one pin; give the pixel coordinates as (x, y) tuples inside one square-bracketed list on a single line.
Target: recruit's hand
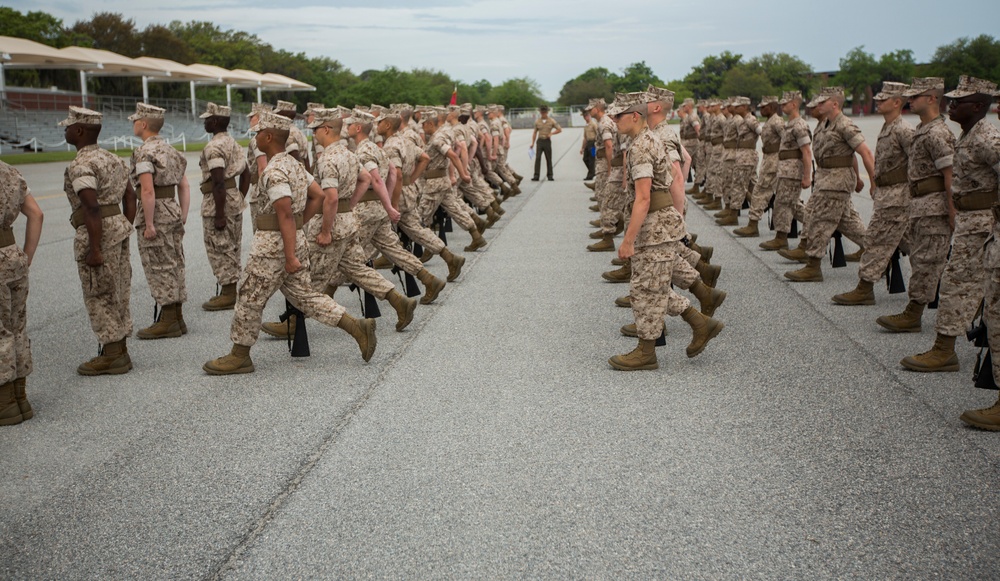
[(149, 233), (324, 239), (292, 265), (94, 258), (220, 222)]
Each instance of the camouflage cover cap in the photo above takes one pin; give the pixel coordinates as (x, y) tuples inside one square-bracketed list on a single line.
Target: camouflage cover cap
[(256, 108), (501, 108), (321, 116), (598, 102), (688, 101), (972, 86), (271, 120), (388, 116), (145, 111), (737, 101), (712, 102), (377, 110), (628, 103), (789, 96), (313, 107), (479, 109), (213, 110), (344, 111), (359, 116), (768, 100), (923, 84), (701, 103), (285, 106), (465, 109), (890, 90), (399, 106), (826, 94), (725, 102), (454, 109), (659, 94), (82, 116)]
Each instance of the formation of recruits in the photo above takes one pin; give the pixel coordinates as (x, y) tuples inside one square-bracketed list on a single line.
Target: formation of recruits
[(935, 198), (320, 214)]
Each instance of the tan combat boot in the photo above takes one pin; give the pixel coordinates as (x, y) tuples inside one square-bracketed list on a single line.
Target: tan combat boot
[(748, 231), (941, 357), (607, 244), (179, 312), (432, 286), (619, 262), (709, 298), (724, 213), (427, 255), (798, 254), (906, 322), (595, 223), (363, 332), (862, 295), (477, 241), (854, 256), (479, 222), (113, 360), (623, 274), (694, 191), (984, 419), (714, 204), (506, 191), (238, 361), (640, 358), (779, 242), (731, 219), (596, 235), (629, 330), (382, 263), (22, 398), (811, 272), (709, 273), (167, 325), (515, 189), (703, 330), (10, 412), (595, 208), (495, 204), (706, 252), (705, 200), (279, 329), (625, 302), (404, 307), (491, 216), (590, 185), (224, 301), (455, 263)]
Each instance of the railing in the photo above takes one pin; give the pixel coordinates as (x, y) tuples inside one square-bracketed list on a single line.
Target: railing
[(114, 143)]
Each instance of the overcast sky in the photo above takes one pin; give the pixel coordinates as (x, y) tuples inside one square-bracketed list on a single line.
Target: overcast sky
[(553, 41)]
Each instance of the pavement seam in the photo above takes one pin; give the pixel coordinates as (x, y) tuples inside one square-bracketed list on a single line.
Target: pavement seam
[(900, 385)]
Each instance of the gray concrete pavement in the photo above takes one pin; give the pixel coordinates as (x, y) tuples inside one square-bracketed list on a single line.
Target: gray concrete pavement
[(491, 439)]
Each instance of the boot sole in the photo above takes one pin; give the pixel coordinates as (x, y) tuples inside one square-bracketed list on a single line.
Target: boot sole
[(646, 367), (613, 279), (430, 295), (214, 308), (407, 317), (946, 368), (239, 370), (372, 341), (627, 333), (111, 371), (850, 303), (716, 305), (898, 329), (973, 423), (591, 249), (273, 334), (624, 306), (803, 279), (170, 335), (712, 335), (12, 421)]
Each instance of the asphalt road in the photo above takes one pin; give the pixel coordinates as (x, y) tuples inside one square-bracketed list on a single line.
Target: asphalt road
[(492, 440)]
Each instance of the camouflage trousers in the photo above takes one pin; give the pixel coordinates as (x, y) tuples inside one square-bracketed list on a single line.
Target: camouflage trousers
[(701, 163), (476, 192), (342, 260), (409, 224), (652, 298), (929, 240), (787, 205), (723, 180), (767, 183), (224, 247), (107, 290), (379, 236), (491, 176), (447, 199), (828, 212), (963, 277), (742, 180), (600, 178), (886, 231), (263, 276), (15, 349), (684, 274), (503, 169), (692, 147), (163, 262), (714, 171), (612, 203), (991, 309)]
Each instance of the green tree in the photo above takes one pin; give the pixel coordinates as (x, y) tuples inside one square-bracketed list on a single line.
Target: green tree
[(859, 71), (784, 72), (636, 77), (705, 79), (747, 82), (594, 83), (979, 57), (517, 93), (110, 31), (681, 91), (161, 42), (37, 26), (898, 66)]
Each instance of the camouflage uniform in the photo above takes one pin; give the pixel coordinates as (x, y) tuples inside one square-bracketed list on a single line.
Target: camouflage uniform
[(106, 288), (265, 269), (889, 221), (438, 191), (15, 348), (344, 258), (964, 277), (713, 183), (614, 196), (255, 201), (771, 133), (476, 191), (223, 246), (297, 141), (830, 207), (656, 246), (684, 274), (163, 256), (606, 131), (504, 168), (744, 172), (402, 151), (788, 196), (727, 159), (977, 168), (932, 150), (689, 138)]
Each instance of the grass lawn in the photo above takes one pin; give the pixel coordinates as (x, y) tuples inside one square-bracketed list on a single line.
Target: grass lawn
[(51, 156)]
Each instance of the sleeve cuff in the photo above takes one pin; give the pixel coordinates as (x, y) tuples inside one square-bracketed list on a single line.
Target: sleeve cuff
[(328, 183), (278, 191), (143, 167), (856, 141), (642, 170), (943, 162), (84, 183), (803, 141), (370, 165), (216, 163)]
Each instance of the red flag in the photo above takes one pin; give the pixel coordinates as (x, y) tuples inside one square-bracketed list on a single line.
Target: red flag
[(454, 96)]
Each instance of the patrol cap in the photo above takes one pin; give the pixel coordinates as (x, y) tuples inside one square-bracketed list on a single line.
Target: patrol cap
[(465, 109), (285, 107), (388, 116), (213, 110), (768, 100), (321, 116), (972, 86), (826, 94), (789, 96), (376, 110), (454, 109), (660, 95), (359, 116), (725, 102), (628, 103), (82, 116), (738, 101), (890, 90), (313, 107), (479, 109), (271, 120), (343, 111), (146, 111), (501, 107), (688, 101), (923, 84), (256, 108)]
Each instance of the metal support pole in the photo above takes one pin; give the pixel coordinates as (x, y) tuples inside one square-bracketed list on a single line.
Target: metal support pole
[(229, 96), (194, 102), (145, 89), (259, 97), (83, 88)]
